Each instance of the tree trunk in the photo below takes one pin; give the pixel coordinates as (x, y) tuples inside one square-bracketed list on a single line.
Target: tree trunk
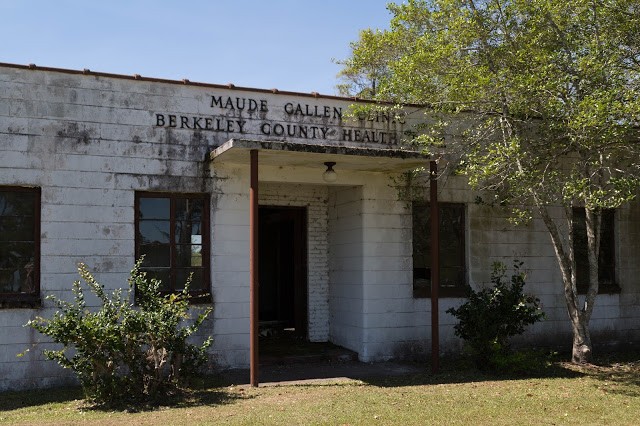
[(593, 222), (581, 350)]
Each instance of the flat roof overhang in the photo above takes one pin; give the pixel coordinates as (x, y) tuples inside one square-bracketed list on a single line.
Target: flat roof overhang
[(275, 153)]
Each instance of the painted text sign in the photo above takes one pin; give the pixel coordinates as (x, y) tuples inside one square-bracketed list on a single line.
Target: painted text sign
[(250, 116)]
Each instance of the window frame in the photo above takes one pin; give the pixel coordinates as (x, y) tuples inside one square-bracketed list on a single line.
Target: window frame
[(460, 290), (27, 300), (198, 295), (603, 288)]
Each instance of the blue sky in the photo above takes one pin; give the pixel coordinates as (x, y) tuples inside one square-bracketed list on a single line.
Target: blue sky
[(283, 44)]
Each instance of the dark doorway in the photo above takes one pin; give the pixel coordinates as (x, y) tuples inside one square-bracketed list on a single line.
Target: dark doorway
[(283, 271)]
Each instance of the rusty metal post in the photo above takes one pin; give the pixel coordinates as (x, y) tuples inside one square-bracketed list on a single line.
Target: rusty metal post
[(253, 269), (435, 265)]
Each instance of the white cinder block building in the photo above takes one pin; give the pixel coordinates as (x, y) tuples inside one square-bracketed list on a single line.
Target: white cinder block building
[(100, 169)]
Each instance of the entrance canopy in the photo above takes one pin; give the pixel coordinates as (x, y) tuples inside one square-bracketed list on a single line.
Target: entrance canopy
[(272, 153), (306, 155)]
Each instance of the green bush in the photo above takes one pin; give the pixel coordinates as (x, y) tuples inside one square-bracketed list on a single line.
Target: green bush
[(492, 315), (121, 352)]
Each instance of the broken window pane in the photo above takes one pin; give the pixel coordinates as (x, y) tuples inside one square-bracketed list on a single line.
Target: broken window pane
[(172, 234)]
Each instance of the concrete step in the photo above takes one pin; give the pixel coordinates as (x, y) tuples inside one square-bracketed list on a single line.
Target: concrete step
[(287, 351)]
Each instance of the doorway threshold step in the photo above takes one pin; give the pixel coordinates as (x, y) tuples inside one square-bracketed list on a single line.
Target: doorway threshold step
[(306, 353)]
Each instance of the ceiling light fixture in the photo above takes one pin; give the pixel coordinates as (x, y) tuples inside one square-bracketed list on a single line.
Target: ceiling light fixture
[(330, 175)]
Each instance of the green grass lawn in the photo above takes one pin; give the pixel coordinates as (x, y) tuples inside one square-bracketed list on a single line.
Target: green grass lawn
[(608, 393)]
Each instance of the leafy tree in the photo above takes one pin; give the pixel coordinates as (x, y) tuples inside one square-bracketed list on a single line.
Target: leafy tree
[(547, 100)]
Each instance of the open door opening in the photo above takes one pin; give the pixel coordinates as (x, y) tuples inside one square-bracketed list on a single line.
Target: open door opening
[(283, 272)]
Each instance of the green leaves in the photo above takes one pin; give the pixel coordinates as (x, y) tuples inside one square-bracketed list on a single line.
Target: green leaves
[(490, 316), (119, 350), (549, 91)]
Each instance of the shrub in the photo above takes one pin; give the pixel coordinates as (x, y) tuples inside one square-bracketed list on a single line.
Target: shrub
[(490, 316), (121, 352)]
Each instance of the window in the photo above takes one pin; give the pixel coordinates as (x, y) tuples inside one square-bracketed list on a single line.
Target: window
[(19, 247), (606, 261), (172, 232), (452, 252)]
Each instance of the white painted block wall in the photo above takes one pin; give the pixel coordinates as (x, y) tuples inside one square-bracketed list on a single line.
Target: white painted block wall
[(345, 267), (86, 143)]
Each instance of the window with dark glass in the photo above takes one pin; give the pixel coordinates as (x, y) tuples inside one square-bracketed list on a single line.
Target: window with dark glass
[(606, 261), (172, 232), (452, 252), (19, 246)]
